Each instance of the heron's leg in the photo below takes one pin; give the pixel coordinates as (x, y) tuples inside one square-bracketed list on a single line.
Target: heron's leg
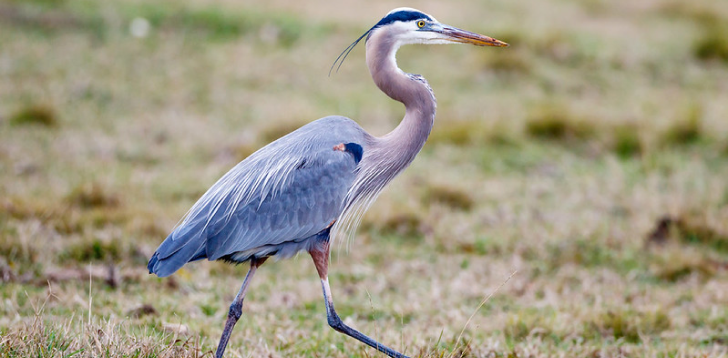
[(320, 257), (236, 308)]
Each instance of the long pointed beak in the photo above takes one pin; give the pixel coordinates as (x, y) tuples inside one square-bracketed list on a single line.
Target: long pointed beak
[(461, 36)]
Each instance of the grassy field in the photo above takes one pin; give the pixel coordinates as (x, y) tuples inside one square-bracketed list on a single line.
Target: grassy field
[(590, 158)]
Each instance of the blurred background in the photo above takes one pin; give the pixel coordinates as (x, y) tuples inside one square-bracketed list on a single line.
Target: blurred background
[(590, 157)]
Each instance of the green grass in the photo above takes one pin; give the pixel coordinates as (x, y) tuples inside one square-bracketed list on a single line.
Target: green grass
[(685, 129), (34, 115), (626, 142), (556, 158), (555, 122)]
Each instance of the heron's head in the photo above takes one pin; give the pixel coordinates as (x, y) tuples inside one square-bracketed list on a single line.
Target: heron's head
[(410, 26)]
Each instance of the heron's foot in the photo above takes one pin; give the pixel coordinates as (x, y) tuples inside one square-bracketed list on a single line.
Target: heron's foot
[(337, 324)]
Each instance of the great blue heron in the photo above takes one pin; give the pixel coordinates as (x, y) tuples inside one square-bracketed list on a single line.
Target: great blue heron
[(315, 183)]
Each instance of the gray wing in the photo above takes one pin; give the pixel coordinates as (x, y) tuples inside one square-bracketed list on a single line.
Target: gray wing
[(287, 191)]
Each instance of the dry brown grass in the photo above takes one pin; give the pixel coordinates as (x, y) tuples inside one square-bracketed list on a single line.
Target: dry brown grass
[(557, 158)]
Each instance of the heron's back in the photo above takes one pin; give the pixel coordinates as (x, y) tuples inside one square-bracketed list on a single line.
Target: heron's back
[(271, 202)]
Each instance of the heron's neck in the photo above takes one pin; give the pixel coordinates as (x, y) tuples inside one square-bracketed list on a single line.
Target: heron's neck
[(407, 139)]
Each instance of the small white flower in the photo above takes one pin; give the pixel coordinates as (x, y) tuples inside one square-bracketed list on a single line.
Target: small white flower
[(139, 27)]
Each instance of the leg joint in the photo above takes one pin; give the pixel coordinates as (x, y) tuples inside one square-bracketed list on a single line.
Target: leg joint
[(236, 310), (334, 321)]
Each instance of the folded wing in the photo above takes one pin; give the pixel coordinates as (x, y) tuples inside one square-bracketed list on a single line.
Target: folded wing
[(286, 192)]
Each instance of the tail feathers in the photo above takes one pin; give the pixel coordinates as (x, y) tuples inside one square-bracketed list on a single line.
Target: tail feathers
[(181, 246)]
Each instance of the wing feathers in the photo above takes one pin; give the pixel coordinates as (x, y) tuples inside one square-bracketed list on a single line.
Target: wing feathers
[(287, 191)]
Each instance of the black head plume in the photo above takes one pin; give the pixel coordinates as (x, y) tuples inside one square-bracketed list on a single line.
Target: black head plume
[(346, 52)]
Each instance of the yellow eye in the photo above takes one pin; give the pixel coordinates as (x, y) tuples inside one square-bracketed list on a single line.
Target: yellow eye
[(421, 23)]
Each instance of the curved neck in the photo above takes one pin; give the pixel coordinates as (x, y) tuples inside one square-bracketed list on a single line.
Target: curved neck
[(407, 139), (387, 156)]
